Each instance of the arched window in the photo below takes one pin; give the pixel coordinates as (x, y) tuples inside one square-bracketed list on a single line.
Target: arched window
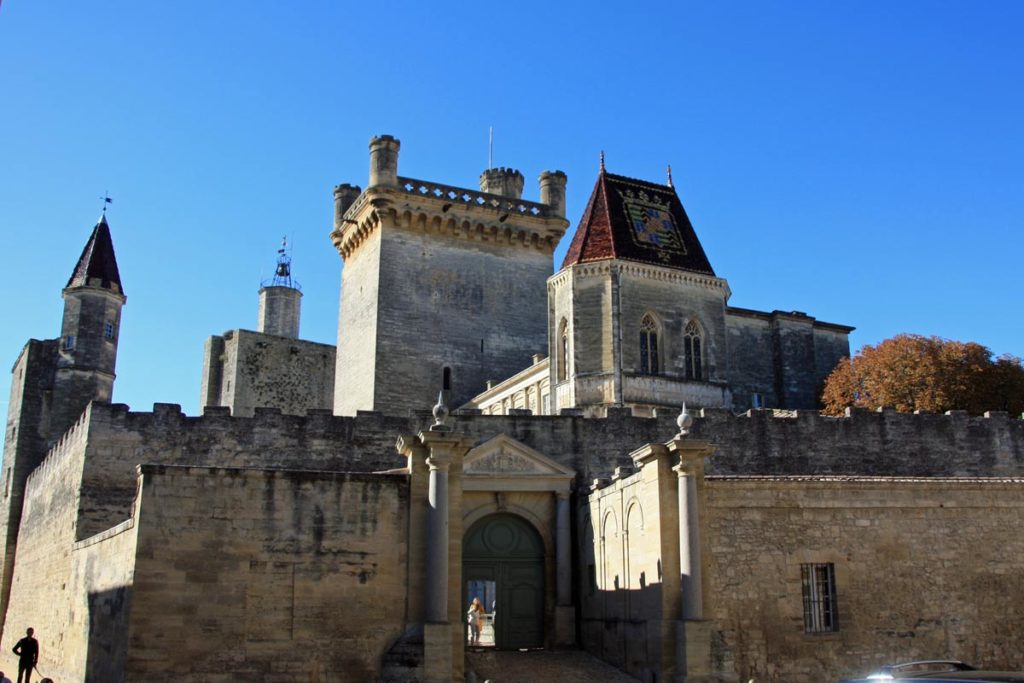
[(693, 349), (649, 346), (563, 351)]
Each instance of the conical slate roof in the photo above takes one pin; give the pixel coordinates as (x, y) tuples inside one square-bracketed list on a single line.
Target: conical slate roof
[(636, 220), (97, 266)]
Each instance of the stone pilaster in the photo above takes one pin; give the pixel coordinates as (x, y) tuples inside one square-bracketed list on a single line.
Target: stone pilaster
[(443, 639), (565, 614), (693, 633)]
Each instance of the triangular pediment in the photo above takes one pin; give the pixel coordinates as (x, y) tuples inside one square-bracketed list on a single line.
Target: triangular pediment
[(503, 456)]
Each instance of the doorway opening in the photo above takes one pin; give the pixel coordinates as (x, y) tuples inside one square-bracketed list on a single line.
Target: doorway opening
[(503, 567)]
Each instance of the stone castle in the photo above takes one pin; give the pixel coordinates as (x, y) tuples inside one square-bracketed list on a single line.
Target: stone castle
[(485, 428)]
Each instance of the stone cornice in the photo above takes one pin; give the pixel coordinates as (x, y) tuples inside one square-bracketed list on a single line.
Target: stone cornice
[(440, 209), (796, 316), (644, 270)]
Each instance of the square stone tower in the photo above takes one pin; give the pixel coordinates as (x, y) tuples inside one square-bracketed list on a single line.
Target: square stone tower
[(637, 316), (437, 276)]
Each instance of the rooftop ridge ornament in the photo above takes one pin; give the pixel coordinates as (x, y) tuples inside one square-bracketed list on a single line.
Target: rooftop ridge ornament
[(670, 176), (684, 421), (602, 161)]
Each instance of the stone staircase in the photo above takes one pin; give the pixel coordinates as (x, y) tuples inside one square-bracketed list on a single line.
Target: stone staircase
[(540, 666), (403, 663)]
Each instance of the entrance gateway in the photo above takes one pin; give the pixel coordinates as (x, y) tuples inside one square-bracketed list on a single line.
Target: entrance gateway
[(516, 516), (503, 566)]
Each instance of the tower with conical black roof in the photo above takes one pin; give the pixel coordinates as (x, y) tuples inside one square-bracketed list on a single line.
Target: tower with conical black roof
[(54, 380), (90, 331)]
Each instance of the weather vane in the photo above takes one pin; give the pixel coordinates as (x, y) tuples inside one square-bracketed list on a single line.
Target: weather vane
[(106, 200)]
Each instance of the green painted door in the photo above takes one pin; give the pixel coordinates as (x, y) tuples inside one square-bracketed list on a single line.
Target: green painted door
[(505, 554)]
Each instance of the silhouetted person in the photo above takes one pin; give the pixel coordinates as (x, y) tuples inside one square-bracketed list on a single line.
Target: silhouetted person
[(27, 650)]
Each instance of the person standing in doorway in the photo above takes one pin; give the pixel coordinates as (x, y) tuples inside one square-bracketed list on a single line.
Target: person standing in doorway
[(27, 650), (475, 618)]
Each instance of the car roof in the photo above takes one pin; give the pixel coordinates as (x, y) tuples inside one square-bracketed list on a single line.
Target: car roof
[(948, 677)]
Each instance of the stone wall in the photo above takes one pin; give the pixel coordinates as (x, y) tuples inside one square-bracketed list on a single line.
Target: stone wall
[(39, 589), (355, 369), (628, 579), (246, 370), (784, 357), (291, 577), (924, 569), (446, 301), (25, 444), (868, 443), (100, 589)]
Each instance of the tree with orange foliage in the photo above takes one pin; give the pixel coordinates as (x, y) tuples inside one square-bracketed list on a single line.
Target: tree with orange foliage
[(909, 372)]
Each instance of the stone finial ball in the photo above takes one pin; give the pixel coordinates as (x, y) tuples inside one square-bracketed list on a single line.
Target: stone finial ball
[(684, 421)]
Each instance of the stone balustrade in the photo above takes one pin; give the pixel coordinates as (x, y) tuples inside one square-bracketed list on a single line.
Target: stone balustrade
[(511, 205)]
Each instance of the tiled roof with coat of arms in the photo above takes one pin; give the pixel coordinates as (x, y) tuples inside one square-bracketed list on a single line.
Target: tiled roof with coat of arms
[(636, 220)]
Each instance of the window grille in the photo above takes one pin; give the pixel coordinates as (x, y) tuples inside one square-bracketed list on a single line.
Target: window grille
[(819, 591), (108, 330)]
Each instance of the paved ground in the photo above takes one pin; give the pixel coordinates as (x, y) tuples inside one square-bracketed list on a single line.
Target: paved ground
[(542, 666)]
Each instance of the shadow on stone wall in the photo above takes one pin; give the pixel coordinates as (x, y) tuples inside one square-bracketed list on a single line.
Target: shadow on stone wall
[(108, 635)]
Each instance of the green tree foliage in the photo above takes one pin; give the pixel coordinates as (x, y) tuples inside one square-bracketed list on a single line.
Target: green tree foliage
[(909, 372)]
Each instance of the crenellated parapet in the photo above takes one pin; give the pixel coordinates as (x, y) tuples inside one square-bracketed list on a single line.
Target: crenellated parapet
[(448, 210), (757, 442), (496, 212)]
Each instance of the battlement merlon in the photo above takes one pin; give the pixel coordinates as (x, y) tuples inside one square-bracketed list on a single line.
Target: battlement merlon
[(445, 209)]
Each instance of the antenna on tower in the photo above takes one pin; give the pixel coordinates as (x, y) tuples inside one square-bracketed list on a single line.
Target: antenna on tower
[(490, 148)]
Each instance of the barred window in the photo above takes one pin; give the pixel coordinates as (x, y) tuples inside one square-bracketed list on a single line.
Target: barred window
[(108, 330), (819, 589)]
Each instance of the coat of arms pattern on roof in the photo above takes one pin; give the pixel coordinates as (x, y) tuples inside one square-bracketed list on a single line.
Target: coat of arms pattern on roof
[(636, 220)]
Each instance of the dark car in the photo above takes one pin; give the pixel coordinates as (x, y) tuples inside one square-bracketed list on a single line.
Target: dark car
[(937, 672)]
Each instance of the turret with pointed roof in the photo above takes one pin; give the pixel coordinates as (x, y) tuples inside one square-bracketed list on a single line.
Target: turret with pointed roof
[(90, 331), (54, 380), (97, 266)]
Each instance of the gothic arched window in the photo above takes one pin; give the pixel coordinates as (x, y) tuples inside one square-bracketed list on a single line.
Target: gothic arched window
[(649, 346), (563, 351), (693, 349)]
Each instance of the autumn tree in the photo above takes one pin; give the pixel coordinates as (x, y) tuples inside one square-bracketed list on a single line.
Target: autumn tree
[(909, 372)]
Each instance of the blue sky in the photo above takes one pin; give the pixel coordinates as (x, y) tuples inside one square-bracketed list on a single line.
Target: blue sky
[(858, 161)]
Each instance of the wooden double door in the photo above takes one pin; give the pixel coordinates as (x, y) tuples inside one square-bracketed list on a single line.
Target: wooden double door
[(503, 565)]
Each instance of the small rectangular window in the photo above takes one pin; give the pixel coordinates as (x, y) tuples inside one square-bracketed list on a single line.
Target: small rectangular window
[(69, 341), (756, 401), (819, 592), (108, 330)]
